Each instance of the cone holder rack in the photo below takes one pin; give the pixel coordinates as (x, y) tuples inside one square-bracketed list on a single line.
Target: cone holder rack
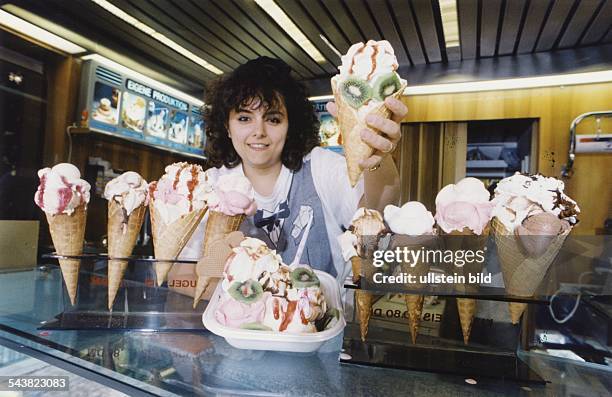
[(140, 305)]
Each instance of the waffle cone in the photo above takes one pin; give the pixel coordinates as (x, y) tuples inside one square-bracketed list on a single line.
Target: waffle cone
[(121, 241), (466, 308), (170, 239), (201, 285), (522, 273), (364, 302), (414, 303), (68, 234), (355, 150), (356, 264), (218, 225)]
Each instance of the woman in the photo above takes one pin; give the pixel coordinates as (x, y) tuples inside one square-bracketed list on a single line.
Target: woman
[(260, 123)]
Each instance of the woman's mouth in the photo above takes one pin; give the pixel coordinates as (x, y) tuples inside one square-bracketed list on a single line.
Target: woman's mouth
[(258, 146)]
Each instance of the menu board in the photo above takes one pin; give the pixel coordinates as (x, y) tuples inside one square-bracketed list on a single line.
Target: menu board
[(119, 105), (328, 127)]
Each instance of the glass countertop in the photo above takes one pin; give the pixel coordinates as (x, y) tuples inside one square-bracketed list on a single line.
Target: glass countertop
[(194, 361)]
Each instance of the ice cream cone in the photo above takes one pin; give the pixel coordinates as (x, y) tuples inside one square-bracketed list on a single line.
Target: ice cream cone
[(466, 308), (218, 226), (170, 239), (68, 233), (414, 303), (468, 241), (356, 264), (522, 273), (355, 150), (364, 300), (122, 235)]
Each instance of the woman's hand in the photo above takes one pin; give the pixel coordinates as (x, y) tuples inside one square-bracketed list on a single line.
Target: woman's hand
[(389, 134)]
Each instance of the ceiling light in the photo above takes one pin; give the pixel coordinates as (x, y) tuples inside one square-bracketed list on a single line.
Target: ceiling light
[(450, 22), (512, 84), (143, 79), (321, 98), (25, 28), (283, 20), (119, 13)]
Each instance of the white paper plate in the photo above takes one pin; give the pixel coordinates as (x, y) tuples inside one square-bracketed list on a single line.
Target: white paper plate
[(277, 341)]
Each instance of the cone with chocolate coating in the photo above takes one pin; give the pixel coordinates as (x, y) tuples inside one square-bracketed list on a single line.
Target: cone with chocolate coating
[(355, 150), (170, 239), (122, 236), (68, 234)]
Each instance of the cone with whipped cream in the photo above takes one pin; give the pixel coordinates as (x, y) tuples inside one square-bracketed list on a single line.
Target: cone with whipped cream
[(367, 76), (64, 196), (177, 205), (532, 218), (230, 200), (127, 197)]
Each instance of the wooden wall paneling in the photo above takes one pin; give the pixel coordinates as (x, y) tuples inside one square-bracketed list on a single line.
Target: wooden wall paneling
[(554, 108), (600, 25), (489, 22), (430, 136), (467, 11), (535, 147), (555, 22), (404, 160), (578, 23), (510, 26), (62, 89), (533, 22), (454, 152)]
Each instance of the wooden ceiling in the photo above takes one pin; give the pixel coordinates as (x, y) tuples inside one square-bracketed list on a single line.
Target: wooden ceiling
[(227, 33)]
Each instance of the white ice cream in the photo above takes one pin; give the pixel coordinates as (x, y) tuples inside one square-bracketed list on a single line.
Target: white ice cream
[(61, 189), (128, 189), (411, 219)]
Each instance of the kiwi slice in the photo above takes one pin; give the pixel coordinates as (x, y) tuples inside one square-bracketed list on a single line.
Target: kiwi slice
[(355, 91), (303, 277), (256, 327), (249, 291), (386, 85)]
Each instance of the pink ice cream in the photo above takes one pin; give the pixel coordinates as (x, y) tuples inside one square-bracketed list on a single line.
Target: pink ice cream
[(179, 191), (232, 313), (465, 204), (232, 194), (128, 189), (61, 189)]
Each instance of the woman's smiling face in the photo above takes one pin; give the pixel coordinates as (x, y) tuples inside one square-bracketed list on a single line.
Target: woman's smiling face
[(258, 133)]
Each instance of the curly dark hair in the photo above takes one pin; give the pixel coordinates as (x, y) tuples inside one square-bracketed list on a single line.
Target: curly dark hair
[(268, 82)]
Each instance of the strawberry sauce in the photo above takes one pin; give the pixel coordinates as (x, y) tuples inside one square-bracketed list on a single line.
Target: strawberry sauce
[(288, 315)]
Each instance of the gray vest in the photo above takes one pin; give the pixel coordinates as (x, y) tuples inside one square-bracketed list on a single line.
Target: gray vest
[(302, 201)]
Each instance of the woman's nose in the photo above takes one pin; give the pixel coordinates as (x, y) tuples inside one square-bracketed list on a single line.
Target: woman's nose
[(260, 129)]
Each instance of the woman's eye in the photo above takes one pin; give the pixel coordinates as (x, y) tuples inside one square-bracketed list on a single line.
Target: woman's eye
[(243, 118), (274, 120)]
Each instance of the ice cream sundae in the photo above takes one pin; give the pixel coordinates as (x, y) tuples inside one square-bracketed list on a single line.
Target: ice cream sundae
[(367, 76), (262, 293), (64, 196)]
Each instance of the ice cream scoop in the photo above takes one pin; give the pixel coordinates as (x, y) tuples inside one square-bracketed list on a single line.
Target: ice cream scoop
[(463, 205), (61, 189), (129, 189), (519, 196), (179, 191), (367, 225), (252, 259), (537, 232), (233, 313), (411, 219), (232, 194)]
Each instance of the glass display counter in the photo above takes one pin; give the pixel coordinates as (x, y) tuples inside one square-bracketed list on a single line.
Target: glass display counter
[(171, 354)]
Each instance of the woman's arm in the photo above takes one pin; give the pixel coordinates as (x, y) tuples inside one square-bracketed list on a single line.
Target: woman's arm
[(381, 178)]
